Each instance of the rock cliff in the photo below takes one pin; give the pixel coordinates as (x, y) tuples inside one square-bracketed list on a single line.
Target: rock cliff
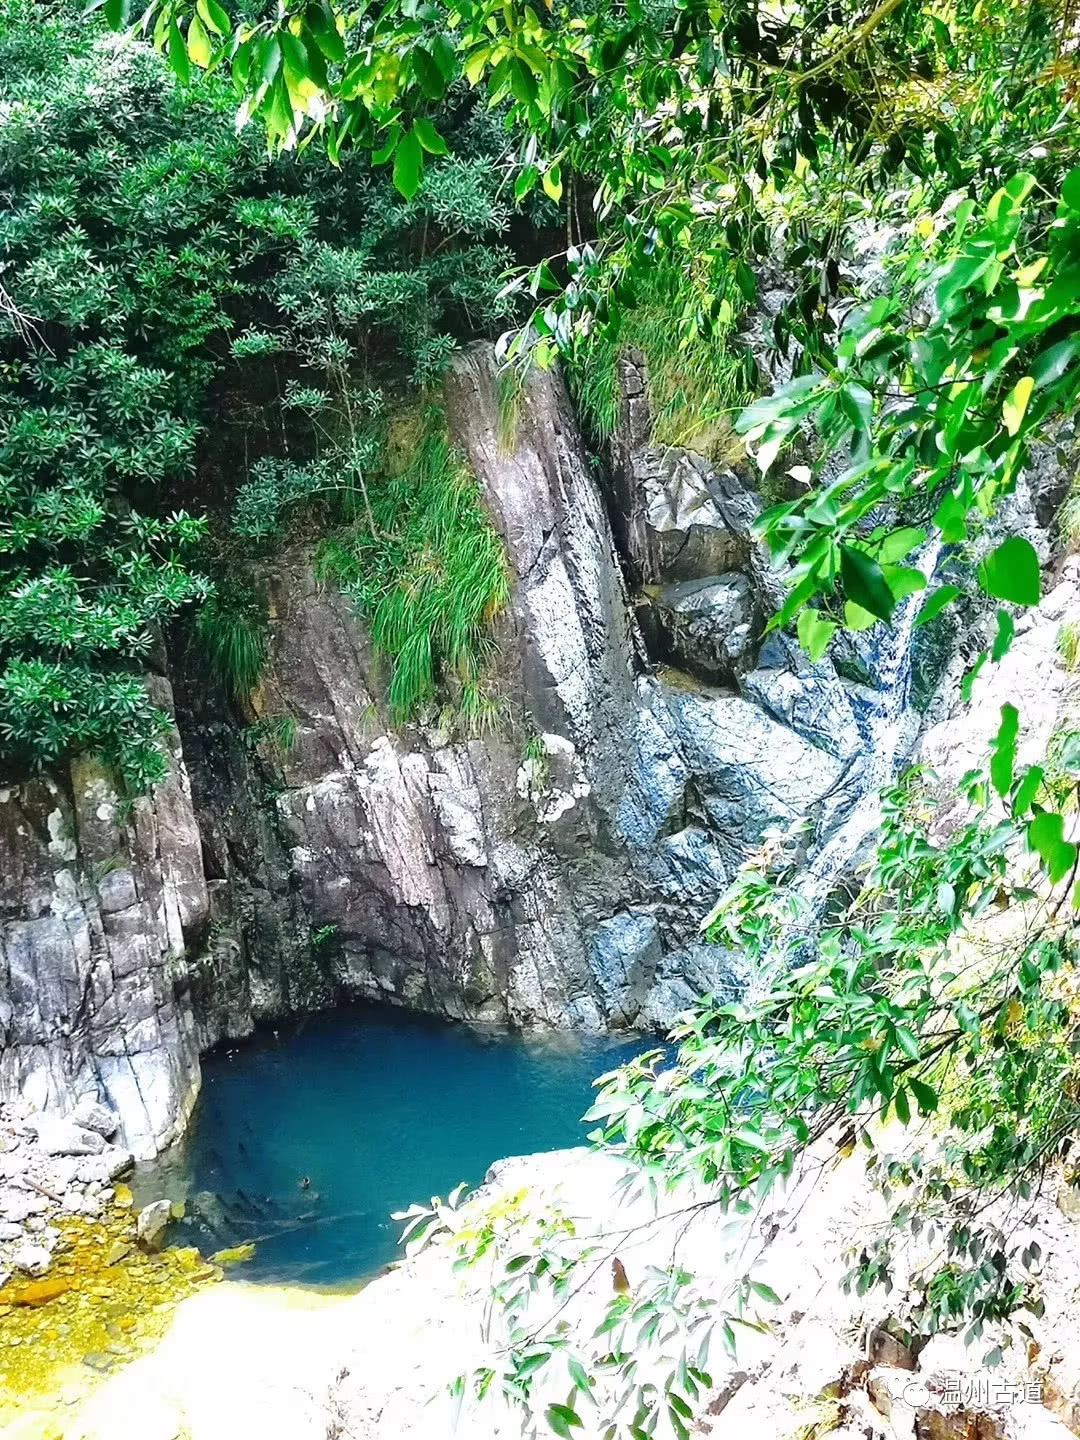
[(553, 871), (98, 905)]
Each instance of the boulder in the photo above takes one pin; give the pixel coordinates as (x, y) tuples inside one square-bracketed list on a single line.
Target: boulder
[(58, 1135), (808, 698), (106, 1166), (151, 1224), (92, 1115), (707, 625), (31, 1259), (625, 953)]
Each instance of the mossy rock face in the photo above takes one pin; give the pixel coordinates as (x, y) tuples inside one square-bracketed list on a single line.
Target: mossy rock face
[(103, 1300)]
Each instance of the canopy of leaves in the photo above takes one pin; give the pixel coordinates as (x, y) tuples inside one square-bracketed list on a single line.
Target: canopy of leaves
[(167, 291)]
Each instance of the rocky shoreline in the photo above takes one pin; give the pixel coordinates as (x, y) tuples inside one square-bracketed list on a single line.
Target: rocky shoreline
[(285, 1364), (85, 1285)]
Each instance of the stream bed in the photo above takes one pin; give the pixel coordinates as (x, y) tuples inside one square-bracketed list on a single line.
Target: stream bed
[(307, 1137)]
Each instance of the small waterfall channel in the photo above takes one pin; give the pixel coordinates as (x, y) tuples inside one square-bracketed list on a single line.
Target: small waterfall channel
[(884, 722)]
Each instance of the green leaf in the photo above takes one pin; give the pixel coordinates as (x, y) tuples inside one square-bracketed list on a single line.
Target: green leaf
[(746, 280), (116, 13), (1067, 757), (899, 543), (445, 56), (903, 1109), (1016, 402), (1004, 637), (380, 156), (525, 181), (815, 632), (936, 602), (1046, 836), (951, 519), (1053, 362), (323, 26), (903, 580), (967, 684), (925, 1094), (865, 583), (178, 55), (214, 17), (562, 1419), (408, 164), (765, 1291), (751, 1139), (856, 618), (552, 183), (579, 1375), (1011, 572), (1070, 190), (198, 43), (858, 406), (429, 137), (1003, 750), (428, 74), (907, 1042), (1027, 790)]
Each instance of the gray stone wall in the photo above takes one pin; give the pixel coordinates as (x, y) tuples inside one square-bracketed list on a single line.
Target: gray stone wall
[(98, 905)]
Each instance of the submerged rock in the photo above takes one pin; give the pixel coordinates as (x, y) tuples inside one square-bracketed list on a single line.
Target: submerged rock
[(40, 1292), (234, 1255)]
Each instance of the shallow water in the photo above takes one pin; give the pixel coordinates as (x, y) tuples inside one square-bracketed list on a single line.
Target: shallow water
[(374, 1110)]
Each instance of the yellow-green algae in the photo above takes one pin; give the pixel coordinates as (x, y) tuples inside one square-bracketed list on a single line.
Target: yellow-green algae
[(102, 1304)]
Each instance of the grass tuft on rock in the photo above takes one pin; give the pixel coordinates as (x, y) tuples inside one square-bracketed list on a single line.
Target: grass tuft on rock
[(432, 576), (698, 378)]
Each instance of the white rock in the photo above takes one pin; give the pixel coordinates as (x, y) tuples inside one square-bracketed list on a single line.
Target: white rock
[(10, 1231), (60, 1136), (92, 1115), (61, 1172), (151, 1224), (20, 1205), (32, 1259), (102, 1168)]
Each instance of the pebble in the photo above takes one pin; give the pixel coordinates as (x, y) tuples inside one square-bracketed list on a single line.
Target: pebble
[(117, 1251), (20, 1205), (99, 1360), (236, 1255)]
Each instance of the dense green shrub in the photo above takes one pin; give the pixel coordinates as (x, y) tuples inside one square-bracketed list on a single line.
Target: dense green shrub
[(178, 311)]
